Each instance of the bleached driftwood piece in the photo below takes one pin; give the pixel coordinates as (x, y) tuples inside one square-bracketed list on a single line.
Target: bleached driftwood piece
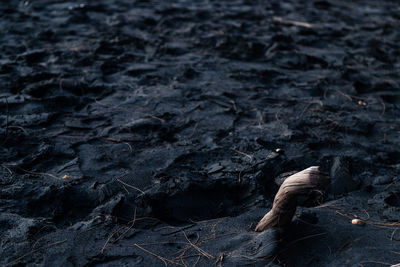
[(285, 201)]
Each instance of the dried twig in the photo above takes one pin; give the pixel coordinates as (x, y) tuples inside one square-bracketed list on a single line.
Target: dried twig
[(8, 169), (164, 260), (119, 141), (180, 229), (392, 235), (128, 227), (292, 22), (46, 174), (342, 212), (33, 251), (377, 262), (181, 253), (130, 186), (243, 154), (202, 252), (284, 205), (8, 114), (383, 107), (18, 127)]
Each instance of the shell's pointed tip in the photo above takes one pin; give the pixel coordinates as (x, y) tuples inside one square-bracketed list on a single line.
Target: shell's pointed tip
[(314, 168)]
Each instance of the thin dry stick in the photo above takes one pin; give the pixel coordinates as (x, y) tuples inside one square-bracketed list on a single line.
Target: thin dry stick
[(243, 154), (132, 223), (284, 205), (309, 105), (43, 173), (300, 239), (190, 246), (8, 169), (18, 127), (164, 260), (43, 237), (8, 114), (191, 256), (197, 261), (35, 250), (119, 141), (108, 241), (378, 262), (393, 233), (344, 95), (384, 108), (183, 262), (368, 220), (157, 243), (292, 22), (197, 243), (202, 252), (184, 250), (180, 229), (131, 186)]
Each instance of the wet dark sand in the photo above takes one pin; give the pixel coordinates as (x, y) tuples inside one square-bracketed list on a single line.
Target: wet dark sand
[(144, 133)]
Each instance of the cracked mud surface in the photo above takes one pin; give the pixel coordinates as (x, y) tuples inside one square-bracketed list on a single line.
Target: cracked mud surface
[(131, 129)]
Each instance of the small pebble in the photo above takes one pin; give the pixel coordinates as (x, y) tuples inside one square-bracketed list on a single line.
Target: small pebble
[(362, 103), (357, 222)]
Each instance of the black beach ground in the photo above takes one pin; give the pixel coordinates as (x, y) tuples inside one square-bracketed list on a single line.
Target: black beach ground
[(153, 133)]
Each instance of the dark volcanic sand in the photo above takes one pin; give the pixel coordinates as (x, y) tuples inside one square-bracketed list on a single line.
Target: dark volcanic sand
[(129, 128)]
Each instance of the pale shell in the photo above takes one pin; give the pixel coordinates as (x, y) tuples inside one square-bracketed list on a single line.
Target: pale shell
[(357, 222)]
